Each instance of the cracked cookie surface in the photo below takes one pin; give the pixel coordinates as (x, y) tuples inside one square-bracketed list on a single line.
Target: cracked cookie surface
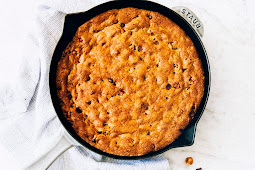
[(130, 81)]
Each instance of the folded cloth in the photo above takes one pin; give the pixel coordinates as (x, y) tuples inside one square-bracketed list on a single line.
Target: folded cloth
[(32, 128)]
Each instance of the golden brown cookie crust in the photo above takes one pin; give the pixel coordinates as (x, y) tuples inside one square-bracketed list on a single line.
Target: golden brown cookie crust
[(129, 81)]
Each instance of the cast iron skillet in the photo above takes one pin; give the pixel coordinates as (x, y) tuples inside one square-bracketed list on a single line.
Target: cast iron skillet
[(73, 21)]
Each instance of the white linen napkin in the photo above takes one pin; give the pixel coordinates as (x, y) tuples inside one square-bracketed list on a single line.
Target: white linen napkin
[(33, 128)]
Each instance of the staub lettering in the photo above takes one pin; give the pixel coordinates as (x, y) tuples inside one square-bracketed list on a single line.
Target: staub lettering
[(183, 11), (191, 18)]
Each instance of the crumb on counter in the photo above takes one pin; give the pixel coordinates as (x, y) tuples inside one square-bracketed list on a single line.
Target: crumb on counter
[(189, 160)]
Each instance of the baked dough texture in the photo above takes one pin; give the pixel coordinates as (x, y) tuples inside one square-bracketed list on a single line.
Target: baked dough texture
[(130, 81)]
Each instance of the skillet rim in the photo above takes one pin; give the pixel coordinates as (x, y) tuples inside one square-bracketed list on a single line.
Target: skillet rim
[(71, 26)]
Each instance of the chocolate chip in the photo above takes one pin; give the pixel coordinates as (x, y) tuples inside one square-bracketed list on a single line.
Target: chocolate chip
[(69, 96), (110, 80), (150, 125), (156, 42), (177, 86), (108, 113), (103, 43), (80, 40), (94, 141), (88, 78), (122, 25), (166, 98), (150, 17), (140, 48), (78, 110), (152, 33), (122, 92), (131, 33), (100, 132), (191, 80), (144, 77), (148, 133), (89, 103), (184, 69), (192, 112), (153, 146), (116, 22), (168, 86), (145, 106), (104, 124)]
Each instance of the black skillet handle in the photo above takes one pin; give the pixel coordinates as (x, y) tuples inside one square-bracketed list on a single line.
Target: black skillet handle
[(191, 18), (187, 137)]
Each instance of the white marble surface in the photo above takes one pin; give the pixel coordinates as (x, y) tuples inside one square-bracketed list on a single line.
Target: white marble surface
[(225, 135)]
